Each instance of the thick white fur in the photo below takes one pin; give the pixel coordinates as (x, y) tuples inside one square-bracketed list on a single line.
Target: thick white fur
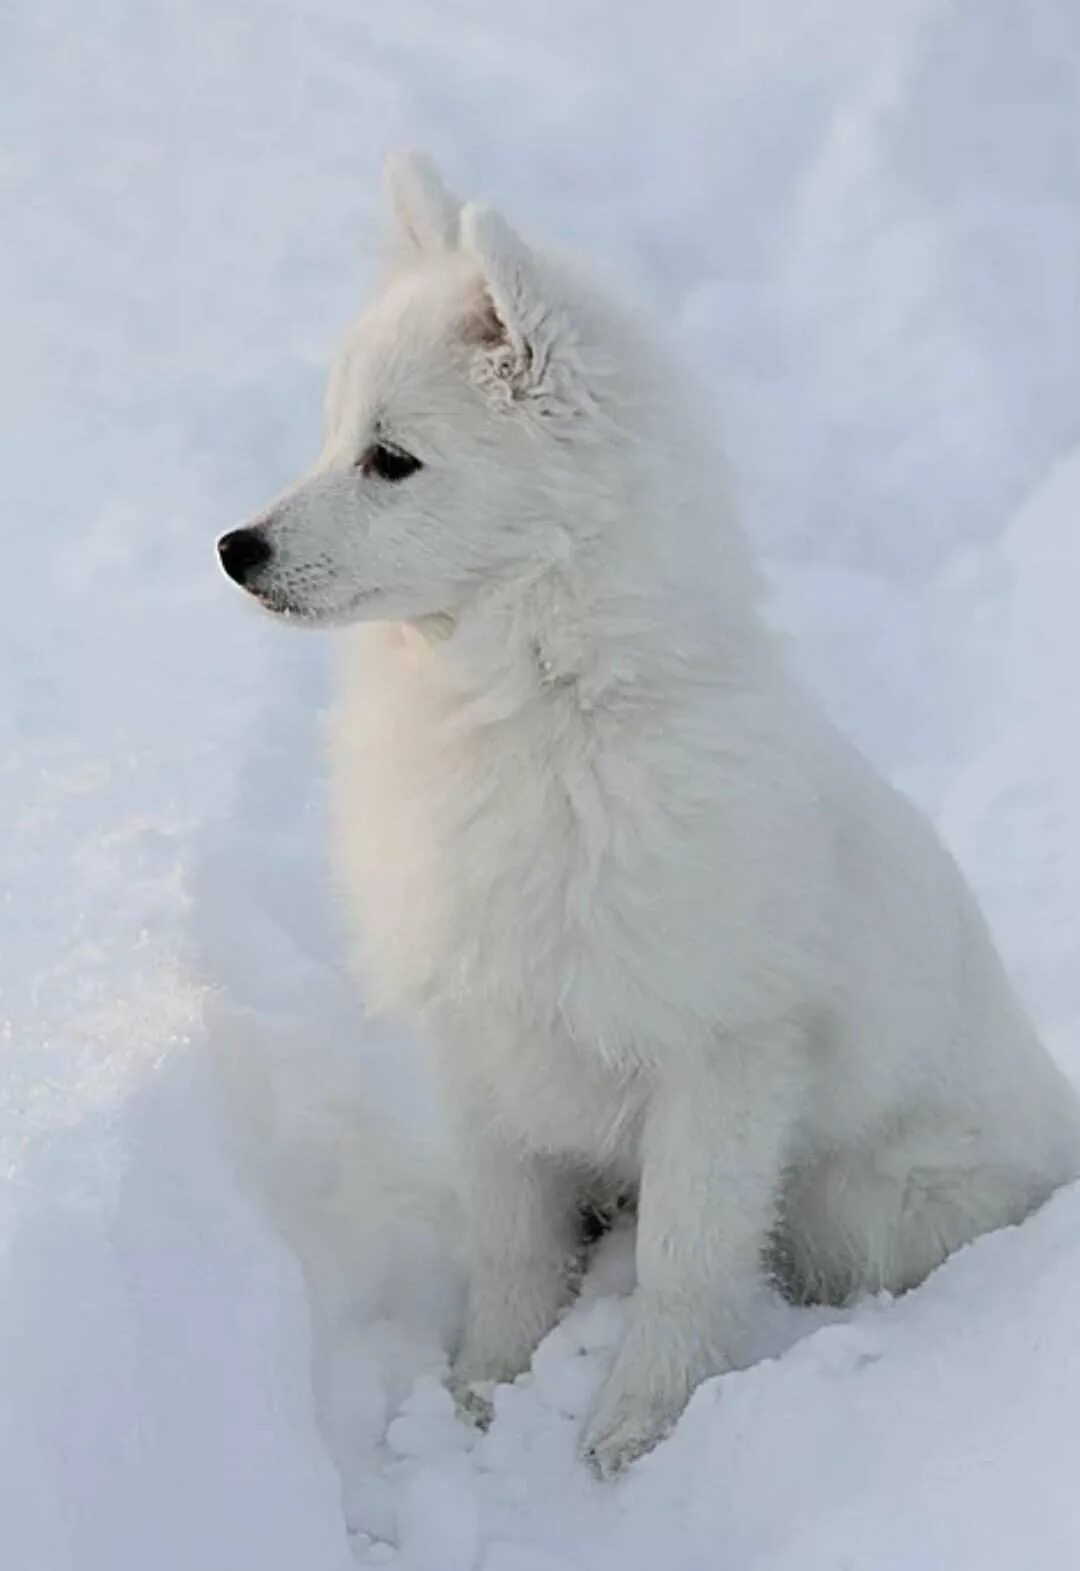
[(668, 929)]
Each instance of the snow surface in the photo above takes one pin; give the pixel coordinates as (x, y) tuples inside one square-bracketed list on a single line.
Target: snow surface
[(227, 1262)]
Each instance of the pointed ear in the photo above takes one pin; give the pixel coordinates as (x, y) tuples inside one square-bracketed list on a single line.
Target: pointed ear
[(425, 214), (508, 270), (520, 323)]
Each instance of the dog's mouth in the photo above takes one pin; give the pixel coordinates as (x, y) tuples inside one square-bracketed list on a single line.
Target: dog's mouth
[(281, 605)]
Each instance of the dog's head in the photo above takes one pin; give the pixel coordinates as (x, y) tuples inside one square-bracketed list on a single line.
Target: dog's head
[(466, 417)]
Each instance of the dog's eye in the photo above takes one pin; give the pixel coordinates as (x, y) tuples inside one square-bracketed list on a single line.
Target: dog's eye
[(389, 463)]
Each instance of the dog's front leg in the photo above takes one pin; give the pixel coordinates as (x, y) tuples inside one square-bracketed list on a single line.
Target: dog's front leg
[(521, 1237), (713, 1149)]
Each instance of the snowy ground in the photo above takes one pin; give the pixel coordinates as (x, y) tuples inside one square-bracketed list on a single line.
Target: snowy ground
[(221, 1316)]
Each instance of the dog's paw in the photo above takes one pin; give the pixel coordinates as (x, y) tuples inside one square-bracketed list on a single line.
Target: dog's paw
[(607, 1451), (627, 1422), (474, 1400)]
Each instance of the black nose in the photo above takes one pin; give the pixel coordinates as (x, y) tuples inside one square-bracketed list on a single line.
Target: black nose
[(242, 551)]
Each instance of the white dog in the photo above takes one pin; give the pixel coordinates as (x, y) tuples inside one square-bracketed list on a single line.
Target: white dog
[(672, 935)]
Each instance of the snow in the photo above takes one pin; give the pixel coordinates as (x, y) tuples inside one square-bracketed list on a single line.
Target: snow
[(228, 1268)]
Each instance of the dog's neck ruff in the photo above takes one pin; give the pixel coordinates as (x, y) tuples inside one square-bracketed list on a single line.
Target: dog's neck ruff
[(556, 644)]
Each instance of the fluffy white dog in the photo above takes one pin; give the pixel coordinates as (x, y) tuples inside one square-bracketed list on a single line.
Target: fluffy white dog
[(671, 934)]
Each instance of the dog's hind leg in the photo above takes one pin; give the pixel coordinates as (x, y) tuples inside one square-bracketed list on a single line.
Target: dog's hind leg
[(882, 1220)]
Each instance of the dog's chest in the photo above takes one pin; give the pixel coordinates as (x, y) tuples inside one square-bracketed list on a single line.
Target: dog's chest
[(520, 872), (550, 1093), (511, 880)]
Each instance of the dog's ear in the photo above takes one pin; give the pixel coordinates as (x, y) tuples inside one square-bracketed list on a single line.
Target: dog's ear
[(517, 324), (425, 213)]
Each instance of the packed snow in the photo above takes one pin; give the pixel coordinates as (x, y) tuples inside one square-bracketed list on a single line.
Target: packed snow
[(228, 1269)]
